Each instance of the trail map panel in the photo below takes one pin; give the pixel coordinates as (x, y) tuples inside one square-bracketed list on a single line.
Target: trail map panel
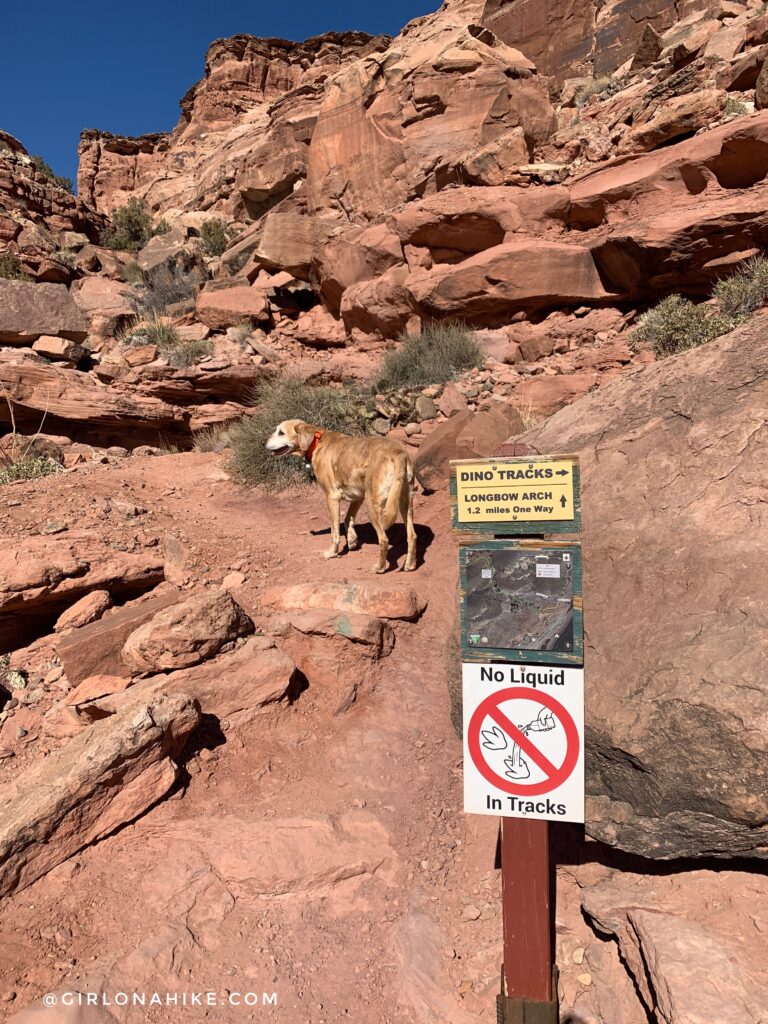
[(524, 741), (521, 602), (516, 496)]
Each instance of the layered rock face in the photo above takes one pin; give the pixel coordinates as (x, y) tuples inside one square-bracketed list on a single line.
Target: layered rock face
[(37, 216), (564, 39), (251, 88)]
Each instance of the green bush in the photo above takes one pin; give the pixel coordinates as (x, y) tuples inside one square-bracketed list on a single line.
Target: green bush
[(433, 357), (169, 344), (27, 467), (130, 227), (281, 399), (214, 234), (744, 291), (11, 268), (677, 324), (735, 107), (55, 179)]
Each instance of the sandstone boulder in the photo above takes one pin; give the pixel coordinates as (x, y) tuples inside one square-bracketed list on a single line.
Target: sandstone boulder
[(47, 574), (101, 779), (691, 941), (761, 88), (463, 436), (95, 648), (59, 350), (338, 653), (681, 115), (451, 402), (186, 633), (28, 311), (107, 304), (520, 275), (87, 609), (674, 507), (318, 329), (384, 602), (235, 689), (221, 305)]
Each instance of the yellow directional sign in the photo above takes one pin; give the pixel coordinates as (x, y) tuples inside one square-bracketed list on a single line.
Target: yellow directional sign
[(536, 490)]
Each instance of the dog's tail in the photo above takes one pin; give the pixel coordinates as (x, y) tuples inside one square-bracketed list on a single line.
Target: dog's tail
[(402, 482)]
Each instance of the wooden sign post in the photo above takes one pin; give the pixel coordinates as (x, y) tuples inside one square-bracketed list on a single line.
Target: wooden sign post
[(523, 690)]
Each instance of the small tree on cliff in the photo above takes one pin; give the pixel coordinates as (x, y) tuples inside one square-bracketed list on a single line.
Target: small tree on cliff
[(130, 227)]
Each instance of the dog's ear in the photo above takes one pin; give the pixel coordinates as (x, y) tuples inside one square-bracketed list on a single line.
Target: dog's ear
[(304, 434)]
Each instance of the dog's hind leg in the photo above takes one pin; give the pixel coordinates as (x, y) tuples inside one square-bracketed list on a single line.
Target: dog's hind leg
[(349, 523), (334, 510), (375, 515), (406, 511)]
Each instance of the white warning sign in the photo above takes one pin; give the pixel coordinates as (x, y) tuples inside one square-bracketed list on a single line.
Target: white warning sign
[(524, 741)]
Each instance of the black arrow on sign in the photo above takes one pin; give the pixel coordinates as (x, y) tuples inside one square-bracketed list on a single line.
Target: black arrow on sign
[(563, 502), (561, 472)]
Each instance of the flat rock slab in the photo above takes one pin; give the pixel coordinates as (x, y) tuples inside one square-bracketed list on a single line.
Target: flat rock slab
[(47, 574), (369, 598), (235, 689), (95, 649), (694, 942), (86, 789), (28, 311)]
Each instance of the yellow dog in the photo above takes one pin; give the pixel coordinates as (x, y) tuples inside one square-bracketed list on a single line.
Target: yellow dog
[(354, 469)]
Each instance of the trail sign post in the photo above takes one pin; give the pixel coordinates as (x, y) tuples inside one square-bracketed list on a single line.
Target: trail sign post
[(522, 640), (516, 496)]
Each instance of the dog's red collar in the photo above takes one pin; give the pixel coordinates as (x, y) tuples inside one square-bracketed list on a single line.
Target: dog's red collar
[(311, 450)]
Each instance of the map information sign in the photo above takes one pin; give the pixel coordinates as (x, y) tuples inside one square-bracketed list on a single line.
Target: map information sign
[(520, 599)]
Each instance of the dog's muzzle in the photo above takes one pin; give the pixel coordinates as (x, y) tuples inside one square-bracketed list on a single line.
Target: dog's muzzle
[(283, 450)]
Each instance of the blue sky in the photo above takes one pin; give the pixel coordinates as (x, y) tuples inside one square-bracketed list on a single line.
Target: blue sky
[(123, 67)]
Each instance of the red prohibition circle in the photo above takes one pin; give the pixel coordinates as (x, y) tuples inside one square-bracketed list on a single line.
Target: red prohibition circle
[(553, 780)]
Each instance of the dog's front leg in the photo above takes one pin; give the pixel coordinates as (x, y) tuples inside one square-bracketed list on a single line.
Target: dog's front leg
[(334, 511)]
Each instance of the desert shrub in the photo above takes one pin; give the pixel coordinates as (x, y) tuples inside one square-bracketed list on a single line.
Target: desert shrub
[(433, 357), (27, 467), (132, 273), (47, 170), (594, 87), (169, 344), (677, 324), (240, 333), (65, 256), (164, 286), (744, 291), (281, 399), (11, 268), (734, 106), (130, 227), (214, 235), (211, 439)]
